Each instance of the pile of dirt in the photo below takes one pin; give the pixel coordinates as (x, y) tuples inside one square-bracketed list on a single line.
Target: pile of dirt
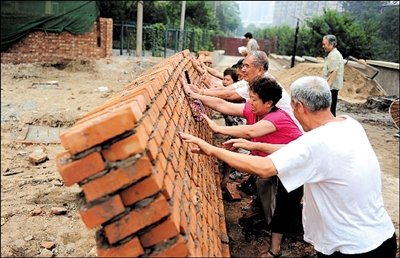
[(356, 89)]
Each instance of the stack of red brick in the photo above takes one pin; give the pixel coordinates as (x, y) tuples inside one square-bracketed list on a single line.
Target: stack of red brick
[(144, 190), (40, 46)]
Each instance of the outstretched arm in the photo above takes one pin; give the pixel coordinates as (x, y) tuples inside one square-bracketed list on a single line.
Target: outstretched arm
[(227, 93), (217, 104), (215, 72), (258, 129), (260, 166), (252, 146)]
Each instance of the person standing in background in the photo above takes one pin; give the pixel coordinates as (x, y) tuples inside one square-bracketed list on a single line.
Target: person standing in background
[(333, 68), (252, 44)]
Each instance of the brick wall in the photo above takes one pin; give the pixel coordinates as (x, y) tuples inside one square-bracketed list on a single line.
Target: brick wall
[(143, 189), (40, 46)]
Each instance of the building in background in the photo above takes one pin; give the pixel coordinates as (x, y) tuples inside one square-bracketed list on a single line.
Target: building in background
[(286, 12), (259, 13)]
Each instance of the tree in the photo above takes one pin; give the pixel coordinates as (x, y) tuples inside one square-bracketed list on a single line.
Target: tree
[(125, 11), (387, 40), (284, 34), (363, 10), (227, 14)]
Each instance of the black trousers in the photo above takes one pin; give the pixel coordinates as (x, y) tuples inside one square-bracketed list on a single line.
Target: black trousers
[(287, 214), (334, 101), (387, 249)]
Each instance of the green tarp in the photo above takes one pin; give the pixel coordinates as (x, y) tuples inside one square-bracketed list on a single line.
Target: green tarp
[(19, 18)]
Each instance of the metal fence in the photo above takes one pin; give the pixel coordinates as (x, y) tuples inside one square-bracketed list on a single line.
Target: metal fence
[(165, 44)]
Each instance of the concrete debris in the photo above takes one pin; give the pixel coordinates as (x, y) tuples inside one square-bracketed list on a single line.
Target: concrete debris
[(46, 253), (37, 211), (37, 156), (28, 238), (48, 245), (58, 211)]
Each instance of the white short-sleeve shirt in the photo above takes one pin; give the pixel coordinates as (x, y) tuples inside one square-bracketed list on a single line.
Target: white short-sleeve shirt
[(342, 205)]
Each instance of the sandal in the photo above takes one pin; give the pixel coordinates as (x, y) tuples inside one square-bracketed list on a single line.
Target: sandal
[(271, 253)]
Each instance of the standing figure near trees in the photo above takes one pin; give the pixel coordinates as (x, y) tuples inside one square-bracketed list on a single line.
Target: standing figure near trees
[(333, 68), (251, 43)]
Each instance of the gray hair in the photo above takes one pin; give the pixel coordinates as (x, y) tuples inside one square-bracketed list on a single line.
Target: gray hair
[(312, 91), (331, 39), (260, 58)]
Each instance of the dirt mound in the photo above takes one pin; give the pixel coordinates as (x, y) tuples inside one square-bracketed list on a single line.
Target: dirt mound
[(356, 89)]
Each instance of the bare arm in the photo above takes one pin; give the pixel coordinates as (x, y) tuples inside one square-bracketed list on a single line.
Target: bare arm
[(217, 104), (223, 93), (258, 129), (214, 72), (332, 78), (252, 146), (260, 166)]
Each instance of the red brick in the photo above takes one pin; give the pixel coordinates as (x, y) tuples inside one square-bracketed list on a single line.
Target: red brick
[(116, 179), (191, 246), (78, 170), (165, 230), (137, 219), (152, 149), (129, 146), (148, 125), (140, 190), (162, 125), (168, 187), (183, 223), (158, 137), (166, 145), (114, 106), (141, 100), (97, 130), (102, 212), (225, 250), (233, 191), (178, 249), (132, 248)]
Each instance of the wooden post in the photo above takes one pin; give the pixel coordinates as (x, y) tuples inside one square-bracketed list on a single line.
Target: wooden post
[(139, 29)]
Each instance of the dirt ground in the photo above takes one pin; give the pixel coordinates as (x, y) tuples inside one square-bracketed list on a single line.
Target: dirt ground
[(26, 187)]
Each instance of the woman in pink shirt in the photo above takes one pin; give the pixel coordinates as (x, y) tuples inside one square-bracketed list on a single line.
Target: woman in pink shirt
[(265, 124)]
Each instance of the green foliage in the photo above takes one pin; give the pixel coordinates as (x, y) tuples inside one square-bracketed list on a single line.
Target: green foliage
[(363, 10), (352, 38), (124, 11), (284, 34), (203, 20), (368, 39), (227, 13), (387, 40), (157, 39)]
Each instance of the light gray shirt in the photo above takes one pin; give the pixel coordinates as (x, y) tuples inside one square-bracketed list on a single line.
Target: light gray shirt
[(334, 62)]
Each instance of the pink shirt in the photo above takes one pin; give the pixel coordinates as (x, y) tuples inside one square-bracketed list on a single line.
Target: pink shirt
[(286, 129)]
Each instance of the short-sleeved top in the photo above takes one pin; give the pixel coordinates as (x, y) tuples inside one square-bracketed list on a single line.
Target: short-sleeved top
[(242, 89), (334, 62), (252, 45), (342, 205), (286, 129)]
